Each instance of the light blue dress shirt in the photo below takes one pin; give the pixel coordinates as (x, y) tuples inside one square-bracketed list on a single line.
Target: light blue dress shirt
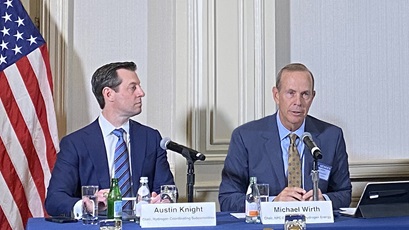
[(285, 144)]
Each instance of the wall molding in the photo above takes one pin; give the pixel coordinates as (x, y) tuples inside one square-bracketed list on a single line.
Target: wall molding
[(54, 26), (379, 170), (259, 59), (214, 112)]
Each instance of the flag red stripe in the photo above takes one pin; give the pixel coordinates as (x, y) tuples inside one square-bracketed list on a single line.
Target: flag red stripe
[(23, 135), (4, 224), (31, 83), (28, 136), (14, 184), (44, 53)]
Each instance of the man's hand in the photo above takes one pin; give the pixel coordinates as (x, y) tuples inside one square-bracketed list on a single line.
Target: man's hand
[(102, 199), (89, 204), (291, 194), (155, 198), (309, 195)]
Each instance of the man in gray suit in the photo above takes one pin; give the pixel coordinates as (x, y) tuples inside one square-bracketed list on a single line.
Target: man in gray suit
[(260, 148)]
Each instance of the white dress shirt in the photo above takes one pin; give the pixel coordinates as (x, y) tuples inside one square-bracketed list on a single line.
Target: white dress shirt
[(110, 141)]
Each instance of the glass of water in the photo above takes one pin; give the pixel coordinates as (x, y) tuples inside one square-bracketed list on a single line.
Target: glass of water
[(110, 224), (264, 192), (89, 204), (295, 222), (168, 193), (129, 213)]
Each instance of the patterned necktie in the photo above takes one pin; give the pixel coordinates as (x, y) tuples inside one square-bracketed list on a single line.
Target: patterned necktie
[(121, 164), (294, 163)]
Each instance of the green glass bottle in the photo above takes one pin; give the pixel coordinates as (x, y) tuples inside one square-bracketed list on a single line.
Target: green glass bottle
[(114, 201)]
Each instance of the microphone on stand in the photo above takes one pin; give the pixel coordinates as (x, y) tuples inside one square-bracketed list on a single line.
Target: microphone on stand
[(191, 156), (166, 143), (316, 153)]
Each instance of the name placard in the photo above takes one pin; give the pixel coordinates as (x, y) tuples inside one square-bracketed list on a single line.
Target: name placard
[(314, 211), (178, 215)]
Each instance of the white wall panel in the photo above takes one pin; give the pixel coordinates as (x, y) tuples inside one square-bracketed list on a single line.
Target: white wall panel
[(359, 53), (225, 36), (102, 32), (233, 77)]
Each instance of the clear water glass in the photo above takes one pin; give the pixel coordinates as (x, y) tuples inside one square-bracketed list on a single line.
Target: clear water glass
[(110, 224), (295, 222), (168, 193), (89, 204), (264, 192)]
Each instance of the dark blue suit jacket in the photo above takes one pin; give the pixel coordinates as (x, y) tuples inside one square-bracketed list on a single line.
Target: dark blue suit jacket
[(82, 160), (255, 150)]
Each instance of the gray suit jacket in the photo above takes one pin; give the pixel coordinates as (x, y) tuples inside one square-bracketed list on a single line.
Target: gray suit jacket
[(255, 150)]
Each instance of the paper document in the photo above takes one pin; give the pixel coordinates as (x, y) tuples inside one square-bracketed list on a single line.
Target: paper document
[(239, 215)]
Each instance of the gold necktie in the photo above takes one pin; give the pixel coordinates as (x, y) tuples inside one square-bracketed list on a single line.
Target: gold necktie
[(294, 163)]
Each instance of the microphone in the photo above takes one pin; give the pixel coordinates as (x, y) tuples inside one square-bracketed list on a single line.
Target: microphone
[(194, 155), (307, 139)]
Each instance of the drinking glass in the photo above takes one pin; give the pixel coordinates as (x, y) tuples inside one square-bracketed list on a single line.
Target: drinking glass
[(110, 224), (168, 193), (89, 204), (264, 192), (295, 221), (129, 212)]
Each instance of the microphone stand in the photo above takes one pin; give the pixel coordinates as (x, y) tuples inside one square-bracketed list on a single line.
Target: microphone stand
[(190, 181), (315, 176)]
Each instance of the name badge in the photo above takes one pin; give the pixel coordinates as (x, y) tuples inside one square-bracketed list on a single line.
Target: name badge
[(324, 171), (314, 211), (178, 215)]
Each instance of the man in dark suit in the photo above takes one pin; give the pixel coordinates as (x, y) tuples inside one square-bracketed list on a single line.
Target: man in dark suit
[(86, 156), (261, 148)]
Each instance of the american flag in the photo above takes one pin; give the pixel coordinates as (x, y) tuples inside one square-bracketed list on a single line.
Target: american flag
[(28, 127)]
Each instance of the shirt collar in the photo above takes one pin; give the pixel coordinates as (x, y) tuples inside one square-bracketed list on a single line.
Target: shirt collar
[(283, 131), (107, 127)]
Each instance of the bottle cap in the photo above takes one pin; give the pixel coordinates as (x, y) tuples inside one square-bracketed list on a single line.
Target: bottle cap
[(143, 179)]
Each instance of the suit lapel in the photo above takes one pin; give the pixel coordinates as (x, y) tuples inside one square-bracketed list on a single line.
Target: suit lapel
[(97, 153), (138, 151), (273, 149)]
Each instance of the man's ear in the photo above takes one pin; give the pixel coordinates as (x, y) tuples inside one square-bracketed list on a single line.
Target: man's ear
[(108, 93), (276, 95)]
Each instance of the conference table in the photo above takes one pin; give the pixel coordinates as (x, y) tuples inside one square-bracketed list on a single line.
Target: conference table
[(226, 221)]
